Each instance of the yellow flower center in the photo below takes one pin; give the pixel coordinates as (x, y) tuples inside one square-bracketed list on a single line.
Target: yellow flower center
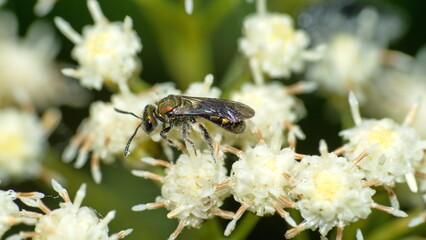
[(193, 184), (328, 186), (96, 44), (11, 145), (271, 165), (381, 136), (280, 32)]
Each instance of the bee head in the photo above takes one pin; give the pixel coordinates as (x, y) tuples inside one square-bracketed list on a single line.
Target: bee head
[(148, 118)]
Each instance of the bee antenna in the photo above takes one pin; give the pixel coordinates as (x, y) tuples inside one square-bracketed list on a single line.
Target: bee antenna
[(125, 112), (126, 149)]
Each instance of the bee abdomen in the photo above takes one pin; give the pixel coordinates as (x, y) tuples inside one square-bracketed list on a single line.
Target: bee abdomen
[(233, 127)]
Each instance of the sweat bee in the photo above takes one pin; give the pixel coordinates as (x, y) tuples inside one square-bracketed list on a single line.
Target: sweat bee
[(178, 110)]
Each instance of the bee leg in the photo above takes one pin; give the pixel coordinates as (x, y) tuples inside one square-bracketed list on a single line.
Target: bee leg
[(185, 135), (164, 133), (206, 137)]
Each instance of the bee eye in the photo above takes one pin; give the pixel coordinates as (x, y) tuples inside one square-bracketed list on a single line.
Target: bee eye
[(150, 123), (149, 126)]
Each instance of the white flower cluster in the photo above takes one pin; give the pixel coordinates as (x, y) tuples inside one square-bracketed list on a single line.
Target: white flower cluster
[(393, 84), (260, 181), (327, 190), (330, 192), (71, 220), (189, 188), (28, 74), (22, 144), (10, 214), (394, 150), (273, 46), (106, 131), (203, 89), (107, 52), (259, 177), (351, 59), (348, 64), (191, 182), (30, 82), (263, 99), (8, 211)]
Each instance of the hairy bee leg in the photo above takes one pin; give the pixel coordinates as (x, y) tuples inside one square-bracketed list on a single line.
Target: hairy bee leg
[(164, 133), (206, 137), (185, 135)]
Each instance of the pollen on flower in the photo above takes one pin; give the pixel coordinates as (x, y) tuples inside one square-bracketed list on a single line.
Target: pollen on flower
[(106, 131), (106, 52), (381, 136), (71, 220), (263, 99), (273, 46), (394, 149), (328, 186), (22, 143), (260, 181), (189, 189), (329, 193)]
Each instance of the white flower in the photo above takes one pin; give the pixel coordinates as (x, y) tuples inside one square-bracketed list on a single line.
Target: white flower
[(273, 46), (8, 211), (350, 60), (203, 89), (10, 214), (43, 7), (274, 106), (260, 181), (190, 183), (348, 64), (106, 52), (399, 87), (331, 193), (189, 189), (71, 221), (22, 143), (28, 74), (394, 150), (106, 131)]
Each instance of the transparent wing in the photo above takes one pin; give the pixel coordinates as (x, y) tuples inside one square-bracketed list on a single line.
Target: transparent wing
[(205, 107)]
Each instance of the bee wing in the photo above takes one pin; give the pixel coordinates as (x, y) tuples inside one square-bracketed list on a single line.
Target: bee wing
[(231, 110)]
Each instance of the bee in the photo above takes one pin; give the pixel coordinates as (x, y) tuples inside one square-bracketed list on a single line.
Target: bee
[(177, 110)]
